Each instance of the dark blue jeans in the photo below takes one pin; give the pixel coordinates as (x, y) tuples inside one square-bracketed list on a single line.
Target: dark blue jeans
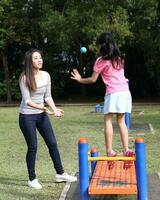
[(28, 124)]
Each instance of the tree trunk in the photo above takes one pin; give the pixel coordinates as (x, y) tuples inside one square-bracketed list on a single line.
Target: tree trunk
[(7, 79)]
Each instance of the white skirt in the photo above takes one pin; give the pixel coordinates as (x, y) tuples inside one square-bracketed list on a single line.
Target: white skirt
[(118, 102)]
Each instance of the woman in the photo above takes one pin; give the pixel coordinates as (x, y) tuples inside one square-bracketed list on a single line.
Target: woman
[(35, 86)]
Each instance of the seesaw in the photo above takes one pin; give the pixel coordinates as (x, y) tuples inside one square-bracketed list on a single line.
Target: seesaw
[(105, 181)]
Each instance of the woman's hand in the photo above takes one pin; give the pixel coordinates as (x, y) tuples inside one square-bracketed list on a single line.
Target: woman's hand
[(75, 75), (57, 112)]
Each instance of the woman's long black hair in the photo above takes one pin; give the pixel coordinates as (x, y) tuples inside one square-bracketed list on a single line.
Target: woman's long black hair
[(28, 70), (109, 50)]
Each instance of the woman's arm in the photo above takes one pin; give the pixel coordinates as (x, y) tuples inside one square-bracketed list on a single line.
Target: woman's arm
[(26, 95), (36, 106), (56, 111), (76, 76), (49, 100)]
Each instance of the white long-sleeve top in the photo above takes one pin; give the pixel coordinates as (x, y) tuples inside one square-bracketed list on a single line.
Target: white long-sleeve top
[(41, 95)]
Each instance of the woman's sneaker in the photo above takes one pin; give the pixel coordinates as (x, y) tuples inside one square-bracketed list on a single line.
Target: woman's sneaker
[(65, 178), (34, 184)]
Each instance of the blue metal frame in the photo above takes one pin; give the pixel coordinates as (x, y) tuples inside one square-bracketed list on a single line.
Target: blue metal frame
[(141, 173)]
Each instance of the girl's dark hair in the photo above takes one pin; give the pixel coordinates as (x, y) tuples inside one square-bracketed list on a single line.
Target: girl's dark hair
[(109, 50), (28, 70)]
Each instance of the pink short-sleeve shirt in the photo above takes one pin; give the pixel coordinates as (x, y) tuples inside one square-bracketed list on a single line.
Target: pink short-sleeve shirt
[(113, 78)]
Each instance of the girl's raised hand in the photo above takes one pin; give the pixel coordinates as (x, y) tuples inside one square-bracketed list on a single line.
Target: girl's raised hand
[(75, 75)]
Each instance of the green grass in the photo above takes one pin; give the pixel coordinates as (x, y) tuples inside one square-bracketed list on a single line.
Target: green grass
[(77, 122)]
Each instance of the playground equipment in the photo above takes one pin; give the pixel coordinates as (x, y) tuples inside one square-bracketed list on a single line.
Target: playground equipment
[(99, 109), (128, 120), (115, 181)]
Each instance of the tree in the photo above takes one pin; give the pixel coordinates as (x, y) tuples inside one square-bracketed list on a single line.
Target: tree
[(60, 27), (144, 17), (16, 18), (71, 24)]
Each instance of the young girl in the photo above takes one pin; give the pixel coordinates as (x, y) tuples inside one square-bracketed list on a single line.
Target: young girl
[(35, 86), (117, 100)]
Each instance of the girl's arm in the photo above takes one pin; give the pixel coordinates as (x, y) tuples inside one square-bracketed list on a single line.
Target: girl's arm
[(76, 76)]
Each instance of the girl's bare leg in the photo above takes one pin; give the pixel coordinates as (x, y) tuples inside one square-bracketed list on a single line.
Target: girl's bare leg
[(108, 131), (123, 130)]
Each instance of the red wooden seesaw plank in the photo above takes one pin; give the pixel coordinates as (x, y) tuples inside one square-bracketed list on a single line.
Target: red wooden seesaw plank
[(114, 181)]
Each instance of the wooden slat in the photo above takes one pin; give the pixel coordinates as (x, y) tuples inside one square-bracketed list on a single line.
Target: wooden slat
[(114, 181)]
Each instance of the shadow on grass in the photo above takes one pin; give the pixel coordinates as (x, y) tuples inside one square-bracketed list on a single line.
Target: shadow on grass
[(13, 189), (12, 181)]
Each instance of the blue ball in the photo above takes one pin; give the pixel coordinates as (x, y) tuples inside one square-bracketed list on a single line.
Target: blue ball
[(83, 50)]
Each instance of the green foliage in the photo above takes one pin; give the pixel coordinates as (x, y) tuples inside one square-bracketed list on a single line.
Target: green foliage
[(67, 25), (80, 23), (15, 89)]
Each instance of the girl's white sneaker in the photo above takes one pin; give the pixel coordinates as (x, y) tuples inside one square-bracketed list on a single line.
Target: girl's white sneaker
[(35, 184), (65, 178)]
